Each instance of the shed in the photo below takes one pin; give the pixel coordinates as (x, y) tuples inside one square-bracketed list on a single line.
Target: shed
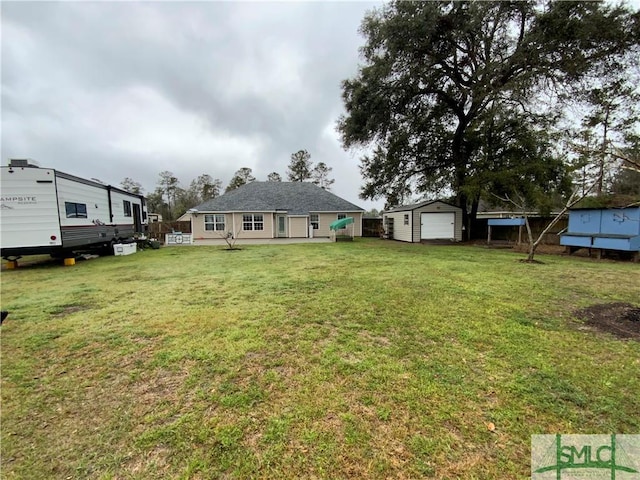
[(426, 221), (506, 222)]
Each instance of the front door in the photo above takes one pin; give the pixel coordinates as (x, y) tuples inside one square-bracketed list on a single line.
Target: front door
[(137, 218), (282, 226)]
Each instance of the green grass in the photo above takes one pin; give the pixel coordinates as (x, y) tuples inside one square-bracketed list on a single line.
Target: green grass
[(370, 359)]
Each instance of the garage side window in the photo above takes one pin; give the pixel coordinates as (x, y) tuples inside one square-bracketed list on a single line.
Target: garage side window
[(315, 221), (127, 208), (75, 210), (341, 216), (406, 219)]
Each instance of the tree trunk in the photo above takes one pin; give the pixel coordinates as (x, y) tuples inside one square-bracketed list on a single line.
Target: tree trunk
[(534, 245), (603, 154), (466, 227), (473, 215)]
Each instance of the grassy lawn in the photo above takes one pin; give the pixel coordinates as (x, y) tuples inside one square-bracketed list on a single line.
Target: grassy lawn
[(371, 359)]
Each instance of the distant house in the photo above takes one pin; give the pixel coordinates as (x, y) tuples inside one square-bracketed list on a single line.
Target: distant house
[(154, 217), (272, 210), (430, 220)]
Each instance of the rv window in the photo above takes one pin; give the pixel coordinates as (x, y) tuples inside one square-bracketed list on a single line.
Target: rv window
[(127, 208), (75, 210)]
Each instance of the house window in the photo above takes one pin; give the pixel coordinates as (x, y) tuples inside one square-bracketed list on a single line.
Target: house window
[(75, 210), (406, 219), (315, 221), (214, 223), (252, 221), (341, 216), (127, 208)]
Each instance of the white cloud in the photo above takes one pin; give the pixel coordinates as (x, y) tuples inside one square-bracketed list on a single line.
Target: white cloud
[(115, 89), (143, 122)]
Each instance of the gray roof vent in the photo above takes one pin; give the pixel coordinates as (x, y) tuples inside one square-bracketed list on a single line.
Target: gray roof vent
[(23, 162)]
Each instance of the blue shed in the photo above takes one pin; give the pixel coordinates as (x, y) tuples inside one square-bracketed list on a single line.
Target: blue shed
[(603, 229)]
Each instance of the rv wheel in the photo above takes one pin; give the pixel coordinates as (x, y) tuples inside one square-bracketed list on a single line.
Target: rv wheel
[(108, 248)]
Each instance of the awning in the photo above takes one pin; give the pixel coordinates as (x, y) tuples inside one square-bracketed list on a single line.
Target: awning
[(340, 224)]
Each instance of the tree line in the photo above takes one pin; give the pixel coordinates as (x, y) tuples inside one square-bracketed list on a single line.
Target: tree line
[(171, 200), (488, 101)]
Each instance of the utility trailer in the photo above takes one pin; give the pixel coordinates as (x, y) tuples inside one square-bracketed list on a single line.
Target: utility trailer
[(45, 211)]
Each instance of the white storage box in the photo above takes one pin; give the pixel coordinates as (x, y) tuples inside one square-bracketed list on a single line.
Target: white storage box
[(124, 248)]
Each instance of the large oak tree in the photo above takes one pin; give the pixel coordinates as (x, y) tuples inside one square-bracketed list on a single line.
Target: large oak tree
[(448, 99)]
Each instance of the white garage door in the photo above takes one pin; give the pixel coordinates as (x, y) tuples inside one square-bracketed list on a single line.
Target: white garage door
[(437, 225)]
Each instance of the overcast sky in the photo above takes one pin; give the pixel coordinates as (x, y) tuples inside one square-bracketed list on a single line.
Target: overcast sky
[(110, 90)]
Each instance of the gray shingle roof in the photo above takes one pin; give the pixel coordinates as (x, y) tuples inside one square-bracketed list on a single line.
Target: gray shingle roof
[(297, 198), (404, 208)]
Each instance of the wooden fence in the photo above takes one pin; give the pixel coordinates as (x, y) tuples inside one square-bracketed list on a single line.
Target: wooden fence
[(372, 227), (159, 229)]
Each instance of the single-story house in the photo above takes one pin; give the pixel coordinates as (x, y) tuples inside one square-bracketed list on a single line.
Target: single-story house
[(272, 210), (430, 220)]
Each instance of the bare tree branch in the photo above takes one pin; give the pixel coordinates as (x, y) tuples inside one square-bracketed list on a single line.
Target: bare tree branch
[(628, 162), (230, 238), (521, 205)]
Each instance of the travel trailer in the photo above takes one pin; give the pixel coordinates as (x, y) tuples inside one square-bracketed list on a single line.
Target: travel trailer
[(44, 211)]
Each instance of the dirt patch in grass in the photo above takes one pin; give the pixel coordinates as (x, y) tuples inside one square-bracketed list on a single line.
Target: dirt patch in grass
[(619, 319)]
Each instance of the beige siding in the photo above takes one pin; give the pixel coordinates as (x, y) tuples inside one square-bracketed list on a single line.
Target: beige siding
[(437, 207), (267, 231), (233, 223), (298, 227), (401, 231), (197, 228), (326, 219), (357, 225)]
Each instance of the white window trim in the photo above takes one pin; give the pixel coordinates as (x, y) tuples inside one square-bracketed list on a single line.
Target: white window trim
[(215, 223), (253, 222)]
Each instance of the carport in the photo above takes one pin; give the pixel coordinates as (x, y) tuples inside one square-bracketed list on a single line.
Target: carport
[(506, 222)]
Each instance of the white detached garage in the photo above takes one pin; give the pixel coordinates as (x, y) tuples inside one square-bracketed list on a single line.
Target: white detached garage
[(430, 220)]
